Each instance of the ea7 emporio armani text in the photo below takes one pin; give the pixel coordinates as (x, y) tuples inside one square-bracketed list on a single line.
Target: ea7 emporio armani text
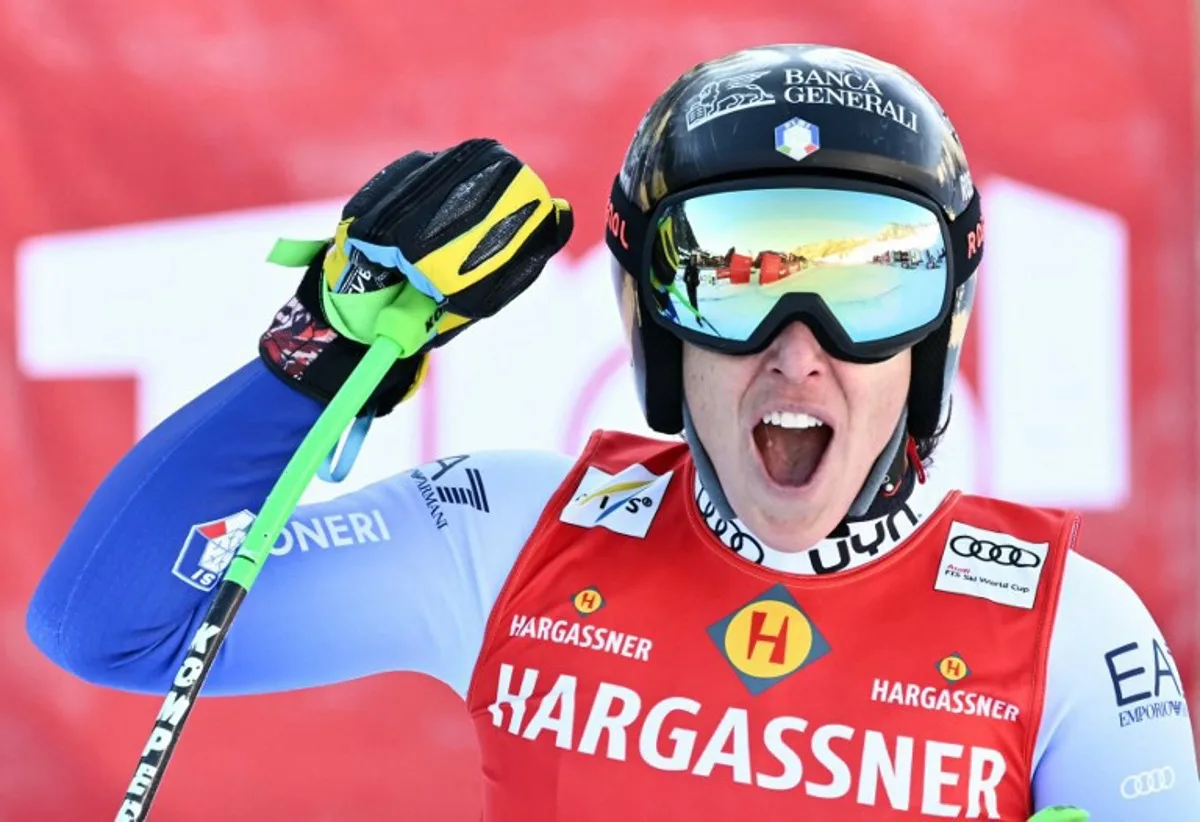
[(877, 761)]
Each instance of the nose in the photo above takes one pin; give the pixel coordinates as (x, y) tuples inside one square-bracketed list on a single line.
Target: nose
[(796, 354)]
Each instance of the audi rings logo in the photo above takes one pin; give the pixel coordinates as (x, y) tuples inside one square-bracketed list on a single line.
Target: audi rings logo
[(1012, 556), (1148, 782), (991, 565)]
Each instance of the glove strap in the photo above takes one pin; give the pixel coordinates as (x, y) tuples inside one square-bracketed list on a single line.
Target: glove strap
[(350, 448)]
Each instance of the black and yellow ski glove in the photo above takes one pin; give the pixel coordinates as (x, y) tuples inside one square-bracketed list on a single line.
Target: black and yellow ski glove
[(466, 229)]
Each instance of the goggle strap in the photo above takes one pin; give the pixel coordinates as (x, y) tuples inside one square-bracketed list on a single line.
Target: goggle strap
[(625, 229), (966, 241)]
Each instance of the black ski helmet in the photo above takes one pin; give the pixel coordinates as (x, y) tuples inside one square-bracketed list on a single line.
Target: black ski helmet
[(715, 124)]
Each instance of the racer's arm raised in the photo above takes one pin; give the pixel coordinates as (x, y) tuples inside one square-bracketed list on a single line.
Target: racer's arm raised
[(1116, 736), (428, 246), (403, 585)]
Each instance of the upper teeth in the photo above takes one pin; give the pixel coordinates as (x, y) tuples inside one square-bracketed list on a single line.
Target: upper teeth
[(791, 419)]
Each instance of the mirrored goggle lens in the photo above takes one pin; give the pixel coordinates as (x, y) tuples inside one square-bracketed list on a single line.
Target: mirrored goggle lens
[(722, 261)]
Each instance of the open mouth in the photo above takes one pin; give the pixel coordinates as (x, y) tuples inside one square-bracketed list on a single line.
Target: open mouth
[(791, 445)]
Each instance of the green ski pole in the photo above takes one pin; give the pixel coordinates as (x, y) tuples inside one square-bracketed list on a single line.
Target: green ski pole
[(400, 332)]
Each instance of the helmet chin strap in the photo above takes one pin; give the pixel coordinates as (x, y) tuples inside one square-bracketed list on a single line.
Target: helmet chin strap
[(887, 469), (704, 467)]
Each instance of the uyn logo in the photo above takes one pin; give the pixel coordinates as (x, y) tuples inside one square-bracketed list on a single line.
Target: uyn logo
[(472, 494)]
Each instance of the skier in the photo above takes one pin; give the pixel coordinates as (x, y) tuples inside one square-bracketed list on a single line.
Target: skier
[(775, 615)]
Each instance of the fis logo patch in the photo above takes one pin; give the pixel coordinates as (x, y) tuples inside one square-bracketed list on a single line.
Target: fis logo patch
[(587, 602), (768, 639), (954, 668), (209, 548), (625, 504)]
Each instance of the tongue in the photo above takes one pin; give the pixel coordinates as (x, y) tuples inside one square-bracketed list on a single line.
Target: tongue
[(791, 455)]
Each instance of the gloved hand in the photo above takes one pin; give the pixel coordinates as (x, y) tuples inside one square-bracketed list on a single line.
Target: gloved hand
[(457, 235), (1060, 813)]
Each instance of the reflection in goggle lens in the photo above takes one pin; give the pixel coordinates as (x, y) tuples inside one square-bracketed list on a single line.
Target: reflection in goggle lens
[(722, 261)]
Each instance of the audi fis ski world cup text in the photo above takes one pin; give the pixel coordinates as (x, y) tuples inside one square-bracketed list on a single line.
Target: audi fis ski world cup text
[(990, 565)]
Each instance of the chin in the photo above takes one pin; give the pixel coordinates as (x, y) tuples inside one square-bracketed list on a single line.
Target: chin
[(790, 522), (798, 533), (793, 519)]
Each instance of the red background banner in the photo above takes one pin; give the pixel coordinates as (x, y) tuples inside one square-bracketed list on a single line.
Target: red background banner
[(121, 113)]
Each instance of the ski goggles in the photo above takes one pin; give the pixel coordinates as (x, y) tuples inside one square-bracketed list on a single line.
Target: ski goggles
[(870, 269)]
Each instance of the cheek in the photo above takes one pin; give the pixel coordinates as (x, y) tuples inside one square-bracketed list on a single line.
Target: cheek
[(695, 380), (877, 393), (712, 384), (900, 375)]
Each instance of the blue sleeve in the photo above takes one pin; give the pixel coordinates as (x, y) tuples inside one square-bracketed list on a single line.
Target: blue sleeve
[(1116, 737), (400, 575)]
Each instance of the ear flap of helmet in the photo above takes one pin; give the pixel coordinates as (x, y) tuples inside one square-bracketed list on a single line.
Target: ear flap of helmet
[(934, 365), (935, 358), (925, 386), (657, 359)]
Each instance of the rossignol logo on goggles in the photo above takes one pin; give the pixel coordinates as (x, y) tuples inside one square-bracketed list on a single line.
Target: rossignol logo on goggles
[(860, 767), (975, 240), (616, 224)]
